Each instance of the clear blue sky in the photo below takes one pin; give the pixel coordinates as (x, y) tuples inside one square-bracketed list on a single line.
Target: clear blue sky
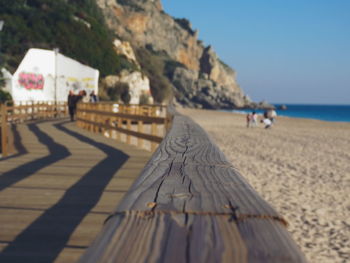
[(283, 51)]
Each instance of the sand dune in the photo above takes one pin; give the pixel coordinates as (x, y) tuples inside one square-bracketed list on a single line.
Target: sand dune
[(301, 167)]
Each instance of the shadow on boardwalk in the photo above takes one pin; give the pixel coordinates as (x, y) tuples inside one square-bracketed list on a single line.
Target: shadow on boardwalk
[(56, 152), (45, 238)]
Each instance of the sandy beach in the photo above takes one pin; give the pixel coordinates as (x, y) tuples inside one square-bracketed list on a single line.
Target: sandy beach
[(301, 167)]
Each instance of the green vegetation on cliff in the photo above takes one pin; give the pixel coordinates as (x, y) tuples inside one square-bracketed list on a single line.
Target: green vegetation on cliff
[(4, 96), (76, 27), (154, 65)]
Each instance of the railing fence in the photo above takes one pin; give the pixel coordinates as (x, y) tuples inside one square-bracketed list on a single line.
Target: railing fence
[(13, 113), (141, 125)]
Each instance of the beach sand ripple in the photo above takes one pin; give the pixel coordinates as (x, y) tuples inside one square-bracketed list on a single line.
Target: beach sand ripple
[(301, 167)]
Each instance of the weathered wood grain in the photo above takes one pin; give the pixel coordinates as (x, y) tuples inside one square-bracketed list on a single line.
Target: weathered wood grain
[(160, 237), (190, 173), (191, 205)]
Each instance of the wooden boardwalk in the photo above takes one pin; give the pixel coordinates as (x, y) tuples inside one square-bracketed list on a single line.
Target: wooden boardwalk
[(56, 192)]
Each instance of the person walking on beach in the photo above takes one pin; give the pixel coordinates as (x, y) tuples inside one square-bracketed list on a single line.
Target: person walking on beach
[(249, 119), (272, 115), (254, 120)]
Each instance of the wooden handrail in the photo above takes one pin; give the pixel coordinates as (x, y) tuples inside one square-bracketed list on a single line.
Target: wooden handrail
[(191, 205), (115, 120), (12, 113), (133, 117)]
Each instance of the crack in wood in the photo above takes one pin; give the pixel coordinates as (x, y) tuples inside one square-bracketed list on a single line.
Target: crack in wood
[(233, 210), (162, 181), (196, 163), (232, 215)]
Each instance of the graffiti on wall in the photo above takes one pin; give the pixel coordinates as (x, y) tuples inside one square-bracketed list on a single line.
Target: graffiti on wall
[(75, 84), (31, 81)]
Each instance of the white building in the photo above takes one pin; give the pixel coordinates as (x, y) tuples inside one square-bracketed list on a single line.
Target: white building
[(45, 75)]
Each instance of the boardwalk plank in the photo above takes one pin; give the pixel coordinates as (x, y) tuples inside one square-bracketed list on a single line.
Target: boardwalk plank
[(56, 195)]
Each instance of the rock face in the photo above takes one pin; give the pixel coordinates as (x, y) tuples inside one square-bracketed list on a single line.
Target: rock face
[(203, 92), (204, 81), (124, 48)]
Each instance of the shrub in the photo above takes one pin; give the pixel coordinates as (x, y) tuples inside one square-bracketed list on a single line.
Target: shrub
[(4, 96), (170, 66), (131, 5), (49, 24), (144, 99), (153, 66), (125, 96), (2, 81), (185, 24), (120, 91)]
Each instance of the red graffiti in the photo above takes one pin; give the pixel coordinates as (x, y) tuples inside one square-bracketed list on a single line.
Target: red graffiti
[(31, 80)]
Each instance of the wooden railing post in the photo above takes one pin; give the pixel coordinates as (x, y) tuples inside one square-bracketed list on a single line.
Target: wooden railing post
[(32, 109), (4, 130), (140, 130), (128, 127), (119, 125), (154, 132)]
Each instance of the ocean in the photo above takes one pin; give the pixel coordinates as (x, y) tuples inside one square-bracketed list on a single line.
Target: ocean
[(340, 113)]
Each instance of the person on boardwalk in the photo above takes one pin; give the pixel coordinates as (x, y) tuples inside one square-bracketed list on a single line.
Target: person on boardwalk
[(73, 101), (81, 97), (71, 104), (93, 97)]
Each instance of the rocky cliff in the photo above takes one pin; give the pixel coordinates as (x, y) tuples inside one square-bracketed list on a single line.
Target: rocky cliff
[(199, 77)]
